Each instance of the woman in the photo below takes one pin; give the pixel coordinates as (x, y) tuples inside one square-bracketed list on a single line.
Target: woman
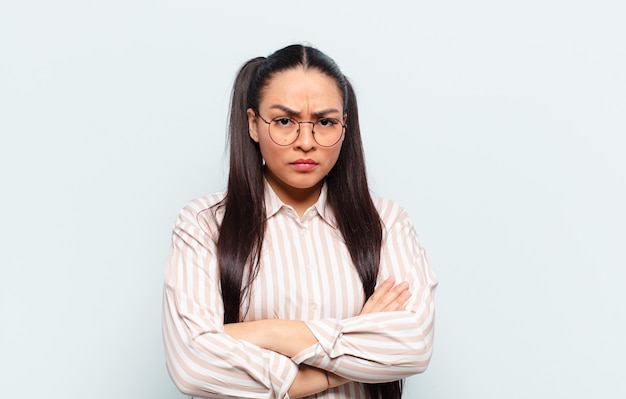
[(295, 283)]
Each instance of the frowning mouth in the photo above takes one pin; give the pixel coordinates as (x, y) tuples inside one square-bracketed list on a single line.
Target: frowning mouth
[(303, 165), (304, 161)]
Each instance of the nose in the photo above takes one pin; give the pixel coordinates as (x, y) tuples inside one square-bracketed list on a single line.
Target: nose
[(305, 140)]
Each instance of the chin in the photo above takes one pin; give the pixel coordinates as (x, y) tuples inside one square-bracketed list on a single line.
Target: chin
[(300, 185)]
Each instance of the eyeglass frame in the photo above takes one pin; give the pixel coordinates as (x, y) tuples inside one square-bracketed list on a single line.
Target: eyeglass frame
[(343, 129)]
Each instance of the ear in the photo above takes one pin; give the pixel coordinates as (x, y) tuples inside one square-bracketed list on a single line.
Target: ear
[(252, 125)]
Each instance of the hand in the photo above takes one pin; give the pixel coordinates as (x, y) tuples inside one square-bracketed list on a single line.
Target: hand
[(388, 297)]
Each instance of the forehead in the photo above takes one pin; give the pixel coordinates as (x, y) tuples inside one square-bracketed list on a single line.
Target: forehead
[(301, 88)]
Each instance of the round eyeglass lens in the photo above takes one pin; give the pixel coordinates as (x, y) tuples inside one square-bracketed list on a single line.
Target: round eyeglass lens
[(326, 131)]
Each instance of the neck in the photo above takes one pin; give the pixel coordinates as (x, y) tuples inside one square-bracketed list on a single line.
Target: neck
[(300, 199)]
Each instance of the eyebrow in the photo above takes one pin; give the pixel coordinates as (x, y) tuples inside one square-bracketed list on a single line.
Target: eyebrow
[(293, 113)]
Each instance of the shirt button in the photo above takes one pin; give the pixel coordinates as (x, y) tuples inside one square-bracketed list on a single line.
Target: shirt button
[(309, 267), (314, 306)]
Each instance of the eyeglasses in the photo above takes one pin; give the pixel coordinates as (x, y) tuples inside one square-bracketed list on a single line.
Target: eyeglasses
[(284, 131)]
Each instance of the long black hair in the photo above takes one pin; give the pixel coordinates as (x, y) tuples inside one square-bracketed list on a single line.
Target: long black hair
[(239, 249)]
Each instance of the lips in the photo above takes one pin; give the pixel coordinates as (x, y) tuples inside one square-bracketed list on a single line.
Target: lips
[(304, 161), (303, 165)]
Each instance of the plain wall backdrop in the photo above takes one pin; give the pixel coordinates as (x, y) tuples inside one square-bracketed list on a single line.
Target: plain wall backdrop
[(499, 125)]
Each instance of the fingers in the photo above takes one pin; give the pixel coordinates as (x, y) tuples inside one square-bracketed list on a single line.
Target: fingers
[(373, 301), (388, 297), (395, 298), (383, 289)]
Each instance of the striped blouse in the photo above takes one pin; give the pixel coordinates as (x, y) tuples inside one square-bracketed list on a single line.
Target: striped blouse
[(305, 274)]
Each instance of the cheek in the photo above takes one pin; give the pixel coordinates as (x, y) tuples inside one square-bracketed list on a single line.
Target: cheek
[(269, 151), (336, 153)]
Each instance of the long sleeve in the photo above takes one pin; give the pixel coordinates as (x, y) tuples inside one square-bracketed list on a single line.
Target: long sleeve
[(202, 360), (385, 346)]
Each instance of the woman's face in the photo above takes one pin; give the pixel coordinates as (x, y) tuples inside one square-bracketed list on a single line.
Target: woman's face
[(297, 170)]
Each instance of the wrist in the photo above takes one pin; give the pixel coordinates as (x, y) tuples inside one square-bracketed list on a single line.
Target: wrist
[(327, 378), (334, 380)]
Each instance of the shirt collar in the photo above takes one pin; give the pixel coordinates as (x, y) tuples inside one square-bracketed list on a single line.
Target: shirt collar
[(273, 205)]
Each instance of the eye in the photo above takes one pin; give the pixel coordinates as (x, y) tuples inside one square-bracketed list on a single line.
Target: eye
[(283, 122), (327, 122)]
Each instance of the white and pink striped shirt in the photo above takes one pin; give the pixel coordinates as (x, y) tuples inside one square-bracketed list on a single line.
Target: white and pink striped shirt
[(306, 273)]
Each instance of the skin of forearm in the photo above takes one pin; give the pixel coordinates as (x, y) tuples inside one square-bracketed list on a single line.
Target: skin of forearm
[(290, 337), (311, 380), (287, 337)]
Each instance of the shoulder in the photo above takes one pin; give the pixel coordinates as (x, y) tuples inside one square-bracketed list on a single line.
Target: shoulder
[(204, 212), (397, 224), (203, 204), (390, 212), (395, 219)]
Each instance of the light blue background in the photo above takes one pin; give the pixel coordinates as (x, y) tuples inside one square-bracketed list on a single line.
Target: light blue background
[(499, 125)]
